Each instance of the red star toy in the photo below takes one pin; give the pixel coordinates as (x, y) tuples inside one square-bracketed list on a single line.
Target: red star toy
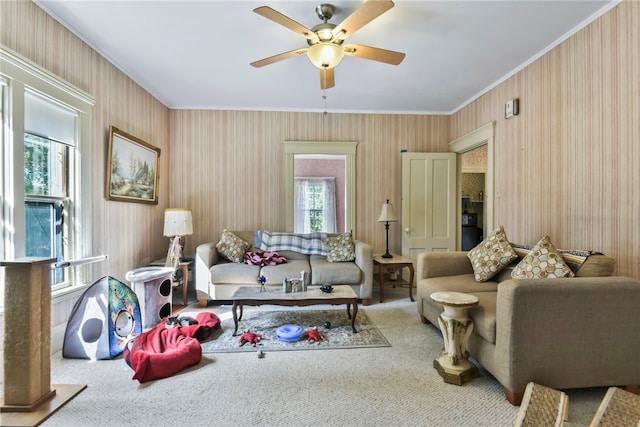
[(250, 337), (314, 335)]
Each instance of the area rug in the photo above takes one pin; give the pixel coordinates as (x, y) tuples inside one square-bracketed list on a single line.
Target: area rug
[(266, 322)]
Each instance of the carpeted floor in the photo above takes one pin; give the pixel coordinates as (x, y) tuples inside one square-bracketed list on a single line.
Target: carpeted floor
[(267, 322), (381, 386)]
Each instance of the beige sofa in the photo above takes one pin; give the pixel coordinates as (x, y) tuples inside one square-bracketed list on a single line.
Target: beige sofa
[(218, 278), (562, 333)]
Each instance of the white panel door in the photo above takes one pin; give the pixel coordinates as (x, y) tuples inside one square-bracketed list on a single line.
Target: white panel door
[(429, 209)]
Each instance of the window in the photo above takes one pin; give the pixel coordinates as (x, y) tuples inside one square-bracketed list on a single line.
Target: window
[(315, 205), (47, 174), (45, 126), (347, 151), (46, 165), (43, 233)]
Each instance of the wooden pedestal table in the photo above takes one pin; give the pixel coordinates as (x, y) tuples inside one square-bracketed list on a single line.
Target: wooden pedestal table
[(453, 365)]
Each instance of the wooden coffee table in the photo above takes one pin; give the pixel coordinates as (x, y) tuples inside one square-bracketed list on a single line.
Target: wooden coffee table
[(251, 295)]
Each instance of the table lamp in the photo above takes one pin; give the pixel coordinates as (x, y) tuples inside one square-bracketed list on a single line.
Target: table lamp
[(177, 223), (387, 215)]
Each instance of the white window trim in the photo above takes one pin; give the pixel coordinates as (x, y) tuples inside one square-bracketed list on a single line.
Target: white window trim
[(346, 148), (22, 73)]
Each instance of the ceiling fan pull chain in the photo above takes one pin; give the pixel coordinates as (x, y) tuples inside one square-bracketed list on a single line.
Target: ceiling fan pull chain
[(324, 96), (324, 116)]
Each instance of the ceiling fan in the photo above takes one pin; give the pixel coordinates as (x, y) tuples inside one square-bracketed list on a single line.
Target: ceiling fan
[(325, 40)]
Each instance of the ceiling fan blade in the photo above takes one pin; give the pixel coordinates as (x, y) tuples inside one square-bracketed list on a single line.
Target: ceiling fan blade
[(327, 80), (374, 53), (285, 21), (361, 17), (279, 57)]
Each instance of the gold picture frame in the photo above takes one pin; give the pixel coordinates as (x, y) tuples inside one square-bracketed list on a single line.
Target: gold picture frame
[(132, 169)]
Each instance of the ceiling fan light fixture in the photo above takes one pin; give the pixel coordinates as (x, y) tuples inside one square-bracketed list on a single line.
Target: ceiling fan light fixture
[(325, 54)]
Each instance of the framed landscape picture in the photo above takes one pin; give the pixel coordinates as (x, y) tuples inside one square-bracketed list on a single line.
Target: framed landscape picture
[(132, 169)]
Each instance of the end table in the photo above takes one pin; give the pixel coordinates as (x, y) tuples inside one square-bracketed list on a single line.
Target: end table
[(394, 264), (183, 265)]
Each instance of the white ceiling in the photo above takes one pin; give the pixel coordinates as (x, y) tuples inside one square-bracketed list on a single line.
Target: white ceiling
[(196, 54)]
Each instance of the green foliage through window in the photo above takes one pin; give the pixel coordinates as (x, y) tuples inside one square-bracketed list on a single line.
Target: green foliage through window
[(45, 166)]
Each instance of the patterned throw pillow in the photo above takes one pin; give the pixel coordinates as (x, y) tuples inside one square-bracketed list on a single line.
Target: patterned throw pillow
[(492, 255), (340, 248), (232, 247), (541, 262)]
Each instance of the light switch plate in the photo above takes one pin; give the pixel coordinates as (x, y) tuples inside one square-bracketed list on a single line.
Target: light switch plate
[(511, 108)]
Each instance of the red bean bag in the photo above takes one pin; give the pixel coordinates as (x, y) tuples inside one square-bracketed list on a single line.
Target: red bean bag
[(161, 352)]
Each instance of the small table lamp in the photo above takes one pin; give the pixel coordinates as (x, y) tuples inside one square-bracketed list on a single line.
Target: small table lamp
[(387, 215), (177, 223)]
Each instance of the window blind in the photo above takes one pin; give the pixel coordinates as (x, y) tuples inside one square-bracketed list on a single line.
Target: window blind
[(48, 119)]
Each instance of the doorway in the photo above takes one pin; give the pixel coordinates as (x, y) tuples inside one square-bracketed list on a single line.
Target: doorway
[(472, 190), (475, 185)]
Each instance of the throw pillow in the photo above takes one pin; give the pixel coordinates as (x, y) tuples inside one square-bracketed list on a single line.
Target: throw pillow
[(541, 262), (232, 247), (492, 255), (340, 248)]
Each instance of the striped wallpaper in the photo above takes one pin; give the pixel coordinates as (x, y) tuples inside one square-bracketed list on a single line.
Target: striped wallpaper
[(130, 233), (231, 164), (568, 165)]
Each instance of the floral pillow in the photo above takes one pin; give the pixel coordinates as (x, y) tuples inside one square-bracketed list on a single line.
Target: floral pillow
[(232, 247), (340, 248), (492, 255), (542, 261)]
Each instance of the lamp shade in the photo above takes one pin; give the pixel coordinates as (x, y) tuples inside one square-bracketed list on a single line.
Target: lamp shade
[(325, 54), (387, 214), (178, 222)]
